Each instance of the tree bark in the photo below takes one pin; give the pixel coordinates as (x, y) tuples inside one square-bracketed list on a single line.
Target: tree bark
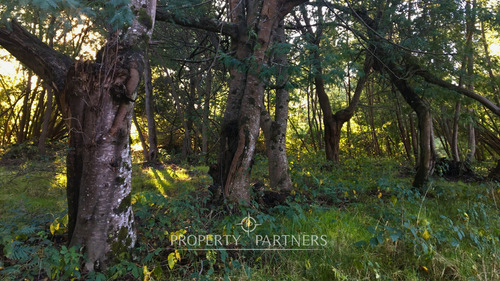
[(145, 148), (96, 99), (240, 126), (205, 115), (152, 138), (26, 110), (46, 120), (426, 156), (455, 153), (99, 162), (404, 139), (275, 130)]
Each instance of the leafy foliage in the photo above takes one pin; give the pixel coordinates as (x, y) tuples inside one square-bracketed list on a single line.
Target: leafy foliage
[(374, 223)]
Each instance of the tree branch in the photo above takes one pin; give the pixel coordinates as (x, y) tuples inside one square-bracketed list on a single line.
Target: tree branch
[(288, 5), (47, 63), (206, 24), (345, 114), (430, 78)]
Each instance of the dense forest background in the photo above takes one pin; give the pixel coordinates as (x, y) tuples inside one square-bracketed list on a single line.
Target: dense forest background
[(189, 77), (372, 122)]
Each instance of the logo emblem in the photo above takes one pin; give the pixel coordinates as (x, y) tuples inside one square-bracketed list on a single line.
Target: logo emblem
[(248, 224)]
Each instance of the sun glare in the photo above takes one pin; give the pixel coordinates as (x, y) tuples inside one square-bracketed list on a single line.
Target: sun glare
[(7, 67)]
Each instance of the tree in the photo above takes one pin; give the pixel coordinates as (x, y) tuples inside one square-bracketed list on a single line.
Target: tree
[(152, 154), (274, 129), (404, 68), (256, 22), (332, 121), (96, 97)]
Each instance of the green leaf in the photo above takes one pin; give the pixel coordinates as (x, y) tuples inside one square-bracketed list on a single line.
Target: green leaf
[(425, 248), (135, 272), (395, 237), (372, 230), (17, 251), (361, 243)]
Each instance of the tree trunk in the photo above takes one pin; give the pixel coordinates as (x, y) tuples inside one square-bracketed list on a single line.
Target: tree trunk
[(426, 154), (186, 143), (38, 116), (275, 130), (145, 148), (471, 139), (309, 120), (240, 126), (100, 108), (455, 153), (152, 139), (26, 110), (470, 28), (332, 122), (46, 120), (206, 113), (414, 137), (96, 100), (375, 143), (402, 130)]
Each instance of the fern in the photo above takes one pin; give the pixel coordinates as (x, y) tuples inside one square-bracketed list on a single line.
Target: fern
[(18, 251), (28, 229)]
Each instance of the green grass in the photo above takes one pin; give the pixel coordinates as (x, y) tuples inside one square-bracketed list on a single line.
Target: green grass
[(37, 186), (375, 226)]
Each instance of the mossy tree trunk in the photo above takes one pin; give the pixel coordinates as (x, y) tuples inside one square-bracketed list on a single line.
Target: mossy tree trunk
[(274, 129), (99, 165), (96, 99), (256, 21)]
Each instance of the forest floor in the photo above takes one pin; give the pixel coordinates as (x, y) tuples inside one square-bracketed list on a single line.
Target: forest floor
[(358, 220)]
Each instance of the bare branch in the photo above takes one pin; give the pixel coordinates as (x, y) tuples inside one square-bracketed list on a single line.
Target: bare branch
[(430, 78)]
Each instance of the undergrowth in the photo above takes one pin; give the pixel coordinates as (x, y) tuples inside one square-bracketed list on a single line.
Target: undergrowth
[(369, 224)]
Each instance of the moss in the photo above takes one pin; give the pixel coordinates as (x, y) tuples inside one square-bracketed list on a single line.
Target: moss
[(120, 245), (145, 19), (119, 180), (125, 204), (126, 165)]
